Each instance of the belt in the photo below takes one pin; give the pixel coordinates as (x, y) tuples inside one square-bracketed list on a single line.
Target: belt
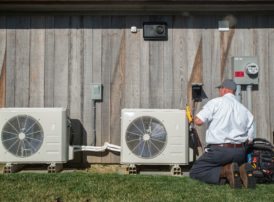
[(230, 145)]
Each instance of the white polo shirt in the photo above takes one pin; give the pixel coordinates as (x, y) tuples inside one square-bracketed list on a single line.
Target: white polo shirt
[(230, 121)]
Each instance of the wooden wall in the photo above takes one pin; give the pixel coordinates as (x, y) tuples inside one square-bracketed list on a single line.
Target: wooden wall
[(51, 61)]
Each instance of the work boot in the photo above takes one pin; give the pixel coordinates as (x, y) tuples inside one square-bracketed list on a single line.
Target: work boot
[(231, 172), (246, 174)]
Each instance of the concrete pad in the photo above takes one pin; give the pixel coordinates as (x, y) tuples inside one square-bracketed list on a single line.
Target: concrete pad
[(151, 172), (42, 170)]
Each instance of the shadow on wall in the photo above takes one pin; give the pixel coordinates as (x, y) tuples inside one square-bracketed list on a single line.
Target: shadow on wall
[(120, 22), (81, 137)]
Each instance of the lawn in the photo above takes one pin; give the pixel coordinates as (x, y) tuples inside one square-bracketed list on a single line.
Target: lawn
[(80, 186)]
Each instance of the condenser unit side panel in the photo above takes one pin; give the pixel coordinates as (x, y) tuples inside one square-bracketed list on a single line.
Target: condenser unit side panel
[(64, 137), (176, 149), (186, 139), (53, 146)]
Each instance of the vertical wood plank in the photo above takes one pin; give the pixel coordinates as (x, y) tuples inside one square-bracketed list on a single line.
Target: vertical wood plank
[(75, 79), (3, 85), (216, 58), (168, 65), (61, 40), (144, 66), (195, 54), (106, 68), (87, 104), (10, 65), (180, 62), (3, 38), (227, 49), (132, 62), (3, 49), (119, 62), (37, 50), (22, 65), (271, 74), (156, 69), (49, 61), (208, 45), (208, 75), (261, 97), (239, 36), (97, 78)]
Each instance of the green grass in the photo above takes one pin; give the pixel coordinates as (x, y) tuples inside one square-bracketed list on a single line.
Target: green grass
[(113, 187)]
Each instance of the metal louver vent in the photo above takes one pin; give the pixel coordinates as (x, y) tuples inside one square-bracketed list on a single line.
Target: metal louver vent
[(146, 137), (22, 136)]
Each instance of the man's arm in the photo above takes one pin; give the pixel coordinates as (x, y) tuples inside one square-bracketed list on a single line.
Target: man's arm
[(250, 133), (206, 114), (198, 121)]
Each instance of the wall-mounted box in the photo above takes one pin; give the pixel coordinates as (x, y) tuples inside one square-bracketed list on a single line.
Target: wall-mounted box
[(223, 26), (245, 70), (96, 91), (155, 30)]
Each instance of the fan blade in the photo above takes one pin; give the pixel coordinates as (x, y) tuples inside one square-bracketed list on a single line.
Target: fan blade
[(9, 139), (32, 125), (9, 132)]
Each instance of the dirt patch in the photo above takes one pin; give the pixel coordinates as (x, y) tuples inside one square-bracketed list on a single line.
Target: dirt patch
[(2, 166), (102, 168)]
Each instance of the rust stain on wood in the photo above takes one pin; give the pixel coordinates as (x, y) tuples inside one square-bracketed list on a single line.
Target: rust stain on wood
[(3, 83), (225, 44), (34, 74), (197, 71), (117, 84)]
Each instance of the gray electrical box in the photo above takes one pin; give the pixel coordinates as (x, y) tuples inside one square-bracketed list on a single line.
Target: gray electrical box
[(96, 91), (245, 70)]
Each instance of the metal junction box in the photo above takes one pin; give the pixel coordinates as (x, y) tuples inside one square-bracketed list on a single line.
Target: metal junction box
[(96, 91), (155, 30), (245, 70)]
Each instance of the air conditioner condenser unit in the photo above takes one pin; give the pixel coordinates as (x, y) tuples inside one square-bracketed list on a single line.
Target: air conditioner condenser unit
[(34, 135), (155, 137)]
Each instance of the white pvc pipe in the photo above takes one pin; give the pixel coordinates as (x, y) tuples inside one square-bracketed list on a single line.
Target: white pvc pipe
[(97, 149), (249, 98), (238, 93)]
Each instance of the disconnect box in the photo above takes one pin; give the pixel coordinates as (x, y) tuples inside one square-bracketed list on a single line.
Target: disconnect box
[(155, 31), (96, 91), (245, 70)]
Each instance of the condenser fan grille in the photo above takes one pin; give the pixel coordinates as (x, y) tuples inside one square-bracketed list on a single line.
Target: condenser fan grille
[(22, 136), (146, 137)]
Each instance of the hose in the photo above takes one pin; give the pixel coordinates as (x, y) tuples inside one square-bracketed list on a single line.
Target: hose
[(97, 149)]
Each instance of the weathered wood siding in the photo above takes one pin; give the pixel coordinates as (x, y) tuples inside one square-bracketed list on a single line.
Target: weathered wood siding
[(51, 61)]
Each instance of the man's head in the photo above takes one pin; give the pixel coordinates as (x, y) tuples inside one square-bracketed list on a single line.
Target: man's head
[(228, 86)]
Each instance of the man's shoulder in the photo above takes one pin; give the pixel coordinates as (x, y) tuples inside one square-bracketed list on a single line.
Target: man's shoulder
[(216, 100)]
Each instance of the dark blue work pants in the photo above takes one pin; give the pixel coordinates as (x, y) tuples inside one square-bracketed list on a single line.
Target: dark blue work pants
[(208, 167)]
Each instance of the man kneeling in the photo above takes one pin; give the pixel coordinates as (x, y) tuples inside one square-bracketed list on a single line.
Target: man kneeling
[(231, 125)]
